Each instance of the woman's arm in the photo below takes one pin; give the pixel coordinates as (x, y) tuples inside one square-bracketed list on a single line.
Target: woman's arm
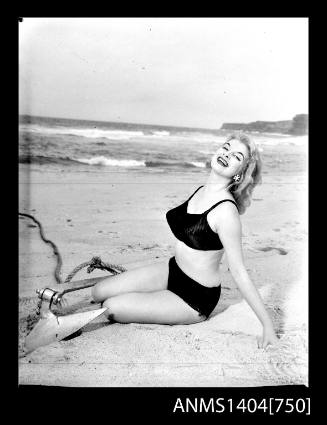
[(228, 226)]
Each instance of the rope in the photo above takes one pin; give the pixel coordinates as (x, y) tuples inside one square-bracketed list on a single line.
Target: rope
[(94, 263), (53, 245)]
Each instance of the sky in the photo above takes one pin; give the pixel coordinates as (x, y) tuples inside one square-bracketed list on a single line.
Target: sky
[(193, 72)]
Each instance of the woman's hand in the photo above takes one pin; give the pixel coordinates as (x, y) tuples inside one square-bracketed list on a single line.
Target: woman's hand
[(268, 337)]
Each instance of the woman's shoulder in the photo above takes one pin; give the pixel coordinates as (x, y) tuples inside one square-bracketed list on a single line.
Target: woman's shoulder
[(226, 206), (225, 213)]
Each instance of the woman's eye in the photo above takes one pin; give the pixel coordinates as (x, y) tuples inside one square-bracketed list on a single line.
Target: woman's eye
[(237, 157), (224, 147)]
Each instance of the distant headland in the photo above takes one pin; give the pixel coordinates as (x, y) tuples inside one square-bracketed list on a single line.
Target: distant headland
[(297, 126)]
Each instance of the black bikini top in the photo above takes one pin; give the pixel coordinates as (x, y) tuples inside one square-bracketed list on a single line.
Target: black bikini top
[(193, 229)]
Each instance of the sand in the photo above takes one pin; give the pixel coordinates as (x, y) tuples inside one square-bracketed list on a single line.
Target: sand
[(121, 218)]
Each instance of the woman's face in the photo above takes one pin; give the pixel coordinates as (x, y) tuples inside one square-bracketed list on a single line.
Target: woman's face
[(230, 158)]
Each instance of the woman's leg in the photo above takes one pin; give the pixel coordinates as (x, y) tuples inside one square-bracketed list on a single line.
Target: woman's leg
[(142, 279), (161, 307)]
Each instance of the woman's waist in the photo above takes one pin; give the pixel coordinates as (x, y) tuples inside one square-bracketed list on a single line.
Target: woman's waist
[(201, 266)]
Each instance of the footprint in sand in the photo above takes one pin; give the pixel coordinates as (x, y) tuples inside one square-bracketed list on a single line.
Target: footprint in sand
[(281, 251)]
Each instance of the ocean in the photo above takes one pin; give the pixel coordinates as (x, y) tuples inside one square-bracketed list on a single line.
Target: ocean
[(82, 145)]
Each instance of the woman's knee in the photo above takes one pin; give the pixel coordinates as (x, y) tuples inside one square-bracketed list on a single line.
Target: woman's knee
[(108, 313), (112, 307), (124, 308), (97, 293)]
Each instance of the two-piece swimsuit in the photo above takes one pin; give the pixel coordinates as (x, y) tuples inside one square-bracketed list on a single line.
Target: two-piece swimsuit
[(195, 232)]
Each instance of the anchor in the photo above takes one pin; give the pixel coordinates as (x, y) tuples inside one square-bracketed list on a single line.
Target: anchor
[(52, 327)]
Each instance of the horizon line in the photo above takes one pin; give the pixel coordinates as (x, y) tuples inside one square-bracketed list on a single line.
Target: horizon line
[(157, 125), (121, 122)]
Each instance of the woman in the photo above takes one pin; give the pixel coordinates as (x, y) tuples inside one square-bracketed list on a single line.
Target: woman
[(186, 288)]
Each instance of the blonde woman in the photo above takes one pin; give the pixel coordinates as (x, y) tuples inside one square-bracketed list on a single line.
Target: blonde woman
[(186, 289)]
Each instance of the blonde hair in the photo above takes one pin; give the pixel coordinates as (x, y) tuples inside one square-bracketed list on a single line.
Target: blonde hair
[(250, 175)]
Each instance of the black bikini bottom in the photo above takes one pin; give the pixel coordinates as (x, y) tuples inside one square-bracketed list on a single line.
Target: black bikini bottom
[(201, 298)]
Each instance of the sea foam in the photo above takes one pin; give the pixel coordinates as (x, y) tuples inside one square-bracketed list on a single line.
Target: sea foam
[(102, 160)]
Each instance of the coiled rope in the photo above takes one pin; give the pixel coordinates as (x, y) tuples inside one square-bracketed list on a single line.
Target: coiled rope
[(94, 263)]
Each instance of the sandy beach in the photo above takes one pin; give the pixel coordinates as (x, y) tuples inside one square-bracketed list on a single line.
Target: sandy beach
[(121, 218)]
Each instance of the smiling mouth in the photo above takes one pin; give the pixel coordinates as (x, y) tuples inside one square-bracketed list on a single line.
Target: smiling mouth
[(222, 161)]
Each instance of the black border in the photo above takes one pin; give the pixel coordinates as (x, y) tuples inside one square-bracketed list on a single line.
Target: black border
[(141, 402), (144, 402)]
